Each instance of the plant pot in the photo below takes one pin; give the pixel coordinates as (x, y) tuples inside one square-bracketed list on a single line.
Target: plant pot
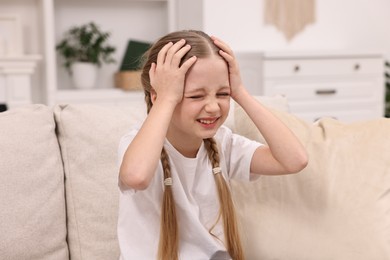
[(84, 75)]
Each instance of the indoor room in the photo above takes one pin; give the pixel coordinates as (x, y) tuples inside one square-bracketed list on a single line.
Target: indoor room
[(77, 75)]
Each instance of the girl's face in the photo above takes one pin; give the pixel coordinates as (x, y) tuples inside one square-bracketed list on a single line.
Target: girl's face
[(205, 104)]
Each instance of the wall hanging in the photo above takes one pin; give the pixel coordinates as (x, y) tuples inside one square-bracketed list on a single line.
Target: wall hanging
[(289, 16)]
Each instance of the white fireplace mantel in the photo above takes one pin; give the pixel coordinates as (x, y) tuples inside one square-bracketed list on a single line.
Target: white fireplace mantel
[(15, 79)]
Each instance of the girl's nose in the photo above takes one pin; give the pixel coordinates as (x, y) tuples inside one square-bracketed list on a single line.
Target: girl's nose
[(212, 106)]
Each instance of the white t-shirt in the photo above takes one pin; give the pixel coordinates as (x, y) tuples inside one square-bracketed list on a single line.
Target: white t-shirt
[(195, 195)]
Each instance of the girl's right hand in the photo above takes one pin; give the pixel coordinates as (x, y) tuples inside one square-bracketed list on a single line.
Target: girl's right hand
[(167, 77)]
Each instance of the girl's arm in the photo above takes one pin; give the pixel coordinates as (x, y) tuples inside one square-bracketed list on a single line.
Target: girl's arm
[(167, 79), (284, 153)]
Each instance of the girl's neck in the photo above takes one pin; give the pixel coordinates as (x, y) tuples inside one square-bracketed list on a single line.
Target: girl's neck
[(188, 148)]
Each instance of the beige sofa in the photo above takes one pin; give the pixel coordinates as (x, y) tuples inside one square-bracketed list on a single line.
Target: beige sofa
[(59, 196)]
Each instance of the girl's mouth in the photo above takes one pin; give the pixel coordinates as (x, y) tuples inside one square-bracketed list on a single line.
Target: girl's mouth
[(208, 122)]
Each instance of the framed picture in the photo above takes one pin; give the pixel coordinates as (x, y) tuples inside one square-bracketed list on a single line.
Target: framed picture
[(11, 42)]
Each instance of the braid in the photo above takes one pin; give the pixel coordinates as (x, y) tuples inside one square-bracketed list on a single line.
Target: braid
[(212, 151), (232, 237), (148, 101), (169, 230)]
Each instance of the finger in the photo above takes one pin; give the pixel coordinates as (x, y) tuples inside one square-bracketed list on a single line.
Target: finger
[(180, 54), (218, 41), (222, 45), (214, 38), (152, 71), (229, 58), (173, 50), (188, 63), (233, 67), (163, 53)]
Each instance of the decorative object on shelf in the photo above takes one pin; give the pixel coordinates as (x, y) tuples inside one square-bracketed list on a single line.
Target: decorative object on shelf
[(85, 47), (11, 40), (387, 83), (129, 75), (84, 74), (290, 17)]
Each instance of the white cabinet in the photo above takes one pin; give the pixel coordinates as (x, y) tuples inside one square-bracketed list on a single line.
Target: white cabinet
[(345, 86)]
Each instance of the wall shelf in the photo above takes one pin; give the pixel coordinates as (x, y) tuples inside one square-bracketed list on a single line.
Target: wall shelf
[(15, 79)]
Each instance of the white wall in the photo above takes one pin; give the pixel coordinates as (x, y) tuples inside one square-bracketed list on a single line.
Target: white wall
[(340, 24)]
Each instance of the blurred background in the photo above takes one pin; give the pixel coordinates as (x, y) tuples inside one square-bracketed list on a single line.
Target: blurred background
[(32, 71)]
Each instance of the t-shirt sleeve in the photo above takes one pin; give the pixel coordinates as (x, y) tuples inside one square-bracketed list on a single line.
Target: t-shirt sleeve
[(239, 151)]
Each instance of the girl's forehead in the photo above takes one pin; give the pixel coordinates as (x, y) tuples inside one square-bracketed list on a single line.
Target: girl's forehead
[(208, 71), (208, 67)]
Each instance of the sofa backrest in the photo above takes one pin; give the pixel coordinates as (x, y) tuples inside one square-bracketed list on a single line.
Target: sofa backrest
[(32, 203)]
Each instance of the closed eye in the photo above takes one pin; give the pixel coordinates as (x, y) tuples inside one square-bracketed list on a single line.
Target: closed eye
[(195, 97), (223, 94)]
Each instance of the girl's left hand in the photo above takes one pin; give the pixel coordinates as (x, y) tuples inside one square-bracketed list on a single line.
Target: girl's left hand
[(226, 52)]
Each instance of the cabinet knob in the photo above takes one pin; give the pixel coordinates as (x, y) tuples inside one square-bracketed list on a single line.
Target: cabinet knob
[(323, 92), (296, 68), (356, 67)]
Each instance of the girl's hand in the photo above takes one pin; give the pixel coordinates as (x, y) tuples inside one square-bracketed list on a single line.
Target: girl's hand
[(236, 85), (166, 76)]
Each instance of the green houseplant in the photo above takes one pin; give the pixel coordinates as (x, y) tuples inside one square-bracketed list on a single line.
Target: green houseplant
[(85, 48)]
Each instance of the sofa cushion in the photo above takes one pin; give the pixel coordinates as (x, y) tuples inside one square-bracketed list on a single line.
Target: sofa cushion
[(338, 207), (32, 199), (89, 136)]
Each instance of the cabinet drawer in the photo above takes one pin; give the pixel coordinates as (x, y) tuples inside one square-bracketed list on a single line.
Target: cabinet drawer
[(307, 67), (324, 90)]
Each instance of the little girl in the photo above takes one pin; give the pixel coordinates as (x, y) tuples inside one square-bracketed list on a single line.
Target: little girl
[(175, 201)]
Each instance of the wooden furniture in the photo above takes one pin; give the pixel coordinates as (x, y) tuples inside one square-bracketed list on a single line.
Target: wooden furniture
[(342, 85)]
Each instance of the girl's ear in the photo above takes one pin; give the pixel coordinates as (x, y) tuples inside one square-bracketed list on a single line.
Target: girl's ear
[(153, 95)]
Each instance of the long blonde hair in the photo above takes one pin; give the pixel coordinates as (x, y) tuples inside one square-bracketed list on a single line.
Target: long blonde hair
[(201, 46)]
